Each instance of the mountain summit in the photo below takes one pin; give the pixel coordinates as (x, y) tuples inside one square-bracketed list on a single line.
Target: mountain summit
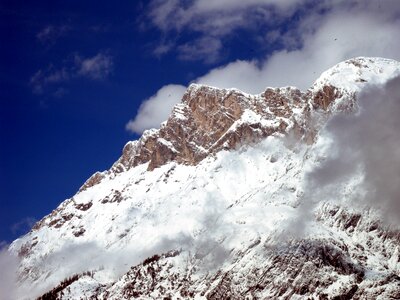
[(221, 203)]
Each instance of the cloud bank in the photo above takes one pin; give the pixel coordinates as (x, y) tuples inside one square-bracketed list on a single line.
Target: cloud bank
[(368, 142), (358, 160), (8, 274), (330, 32)]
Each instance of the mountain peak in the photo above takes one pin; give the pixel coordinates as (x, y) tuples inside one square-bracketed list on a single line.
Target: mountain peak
[(177, 216), (210, 119)]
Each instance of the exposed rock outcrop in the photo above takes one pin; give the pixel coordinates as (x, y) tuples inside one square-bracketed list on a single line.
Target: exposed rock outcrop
[(210, 119)]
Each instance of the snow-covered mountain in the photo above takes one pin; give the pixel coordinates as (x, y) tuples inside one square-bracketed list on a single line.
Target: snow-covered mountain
[(227, 200)]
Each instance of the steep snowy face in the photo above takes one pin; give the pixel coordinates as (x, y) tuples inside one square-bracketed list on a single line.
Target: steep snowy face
[(204, 207)]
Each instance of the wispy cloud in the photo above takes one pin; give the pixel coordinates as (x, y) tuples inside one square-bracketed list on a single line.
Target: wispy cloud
[(266, 20), (97, 67), (214, 20), (221, 17), (50, 33), (206, 49), (23, 226), (163, 48), (50, 75)]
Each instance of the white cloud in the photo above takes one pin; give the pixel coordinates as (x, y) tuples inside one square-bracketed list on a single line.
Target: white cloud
[(156, 109), (96, 67), (347, 30), (245, 75)]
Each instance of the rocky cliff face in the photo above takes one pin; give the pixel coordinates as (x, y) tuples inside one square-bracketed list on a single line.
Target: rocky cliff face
[(209, 120), (204, 207)]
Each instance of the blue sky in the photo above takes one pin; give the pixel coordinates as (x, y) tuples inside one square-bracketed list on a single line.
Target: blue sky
[(78, 79)]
